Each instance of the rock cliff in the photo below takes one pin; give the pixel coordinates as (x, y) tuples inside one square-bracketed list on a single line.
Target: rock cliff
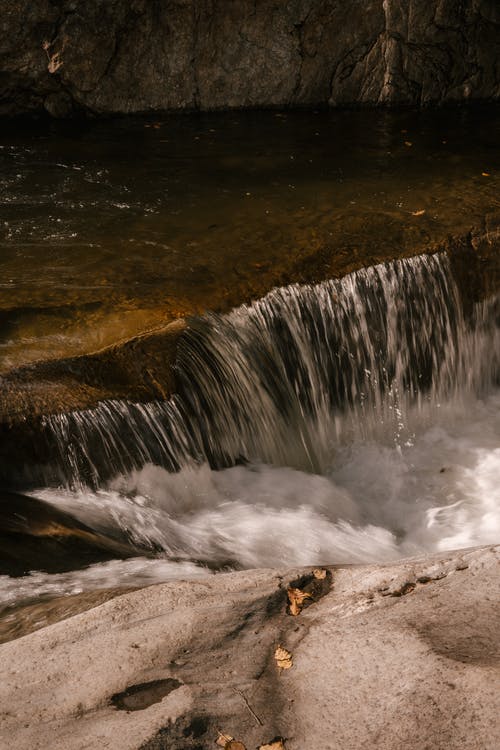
[(112, 56)]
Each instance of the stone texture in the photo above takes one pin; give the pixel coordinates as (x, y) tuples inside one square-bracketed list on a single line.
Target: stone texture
[(399, 655), (112, 56)]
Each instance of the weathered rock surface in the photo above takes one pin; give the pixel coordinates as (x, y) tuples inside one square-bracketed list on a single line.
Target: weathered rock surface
[(392, 656), (112, 56)]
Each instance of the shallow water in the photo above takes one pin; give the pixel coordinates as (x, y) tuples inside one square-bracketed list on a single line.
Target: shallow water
[(108, 228)]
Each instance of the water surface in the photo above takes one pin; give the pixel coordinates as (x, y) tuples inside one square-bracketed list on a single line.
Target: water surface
[(110, 228), (347, 421)]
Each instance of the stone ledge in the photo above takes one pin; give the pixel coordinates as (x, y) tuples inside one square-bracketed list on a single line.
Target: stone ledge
[(395, 655)]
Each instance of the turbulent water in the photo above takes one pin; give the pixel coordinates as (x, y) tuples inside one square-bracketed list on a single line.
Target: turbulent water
[(355, 420)]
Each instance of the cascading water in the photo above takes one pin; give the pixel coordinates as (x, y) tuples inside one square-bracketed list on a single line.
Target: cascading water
[(354, 420), (288, 378)]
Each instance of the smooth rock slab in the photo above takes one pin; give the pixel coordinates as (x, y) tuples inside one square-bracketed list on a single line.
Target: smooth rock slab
[(402, 655)]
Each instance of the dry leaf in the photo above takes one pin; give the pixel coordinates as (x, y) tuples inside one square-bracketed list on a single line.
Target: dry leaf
[(283, 658), (229, 743), (418, 213), (277, 744), (223, 739), (296, 598), (320, 574), (408, 143), (485, 174)]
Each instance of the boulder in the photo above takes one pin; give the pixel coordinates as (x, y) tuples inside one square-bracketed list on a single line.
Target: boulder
[(385, 656)]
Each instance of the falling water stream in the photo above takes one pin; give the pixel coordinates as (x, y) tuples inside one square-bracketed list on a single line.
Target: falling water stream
[(354, 420), (349, 421)]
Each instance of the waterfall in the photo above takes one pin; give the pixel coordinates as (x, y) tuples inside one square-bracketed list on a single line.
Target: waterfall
[(288, 379)]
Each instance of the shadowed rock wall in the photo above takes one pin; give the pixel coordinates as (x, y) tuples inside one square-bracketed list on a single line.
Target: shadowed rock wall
[(123, 56)]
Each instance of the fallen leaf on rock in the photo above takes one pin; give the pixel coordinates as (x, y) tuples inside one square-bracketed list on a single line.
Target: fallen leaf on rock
[(418, 213), (277, 744), (296, 599), (320, 574), (229, 743), (283, 658)]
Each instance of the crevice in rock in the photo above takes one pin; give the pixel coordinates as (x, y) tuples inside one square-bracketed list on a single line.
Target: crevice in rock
[(145, 694)]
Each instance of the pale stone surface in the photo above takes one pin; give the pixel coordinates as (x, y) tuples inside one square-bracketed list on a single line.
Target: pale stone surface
[(401, 655)]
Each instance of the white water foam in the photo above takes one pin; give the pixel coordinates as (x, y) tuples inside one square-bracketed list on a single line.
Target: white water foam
[(378, 502)]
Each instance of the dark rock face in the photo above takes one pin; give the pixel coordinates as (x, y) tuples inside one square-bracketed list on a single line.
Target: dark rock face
[(118, 56)]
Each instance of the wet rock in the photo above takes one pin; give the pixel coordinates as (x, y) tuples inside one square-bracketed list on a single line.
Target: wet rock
[(59, 105), (142, 369), (120, 57), (35, 535), (24, 618)]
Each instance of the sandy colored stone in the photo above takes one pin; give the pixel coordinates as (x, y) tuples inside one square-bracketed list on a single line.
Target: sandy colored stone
[(377, 663)]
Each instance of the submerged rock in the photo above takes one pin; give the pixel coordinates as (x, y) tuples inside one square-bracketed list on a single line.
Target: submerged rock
[(397, 655), (35, 535), (122, 57)]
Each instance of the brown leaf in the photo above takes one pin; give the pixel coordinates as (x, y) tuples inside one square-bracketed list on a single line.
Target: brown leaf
[(277, 744), (283, 658), (229, 743), (296, 599), (421, 212), (485, 174), (319, 574), (408, 143)]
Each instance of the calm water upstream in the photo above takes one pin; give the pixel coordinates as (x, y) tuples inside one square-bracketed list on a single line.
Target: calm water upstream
[(109, 228), (344, 421)]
